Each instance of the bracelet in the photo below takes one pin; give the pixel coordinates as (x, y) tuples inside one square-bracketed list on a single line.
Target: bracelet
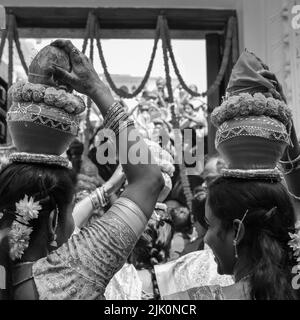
[(109, 121), (95, 201), (125, 125), (112, 112), (102, 196), (117, 119), (121, 118)]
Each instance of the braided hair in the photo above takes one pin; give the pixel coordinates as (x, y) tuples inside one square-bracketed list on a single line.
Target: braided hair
[(153, 248)]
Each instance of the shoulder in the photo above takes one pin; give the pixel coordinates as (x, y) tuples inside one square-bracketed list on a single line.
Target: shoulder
[(125, 285), (236, 291), (206, 293), (198, 293)]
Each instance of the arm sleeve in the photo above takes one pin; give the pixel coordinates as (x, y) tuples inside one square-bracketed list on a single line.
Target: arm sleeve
[(82, 267)]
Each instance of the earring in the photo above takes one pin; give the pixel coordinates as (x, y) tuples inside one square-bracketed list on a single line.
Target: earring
[(237, 236), (52, 228), (235, 248)]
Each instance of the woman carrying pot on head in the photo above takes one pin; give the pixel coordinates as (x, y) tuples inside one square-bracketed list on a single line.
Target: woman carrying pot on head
[(38, 258), (251, 221)]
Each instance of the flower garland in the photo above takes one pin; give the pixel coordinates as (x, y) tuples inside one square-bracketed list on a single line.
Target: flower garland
[(11, 34), (108, 77), (22, 91), (294, 243), (19, 235), (231, 33), (245, 105), (182, 169), (163, 31)]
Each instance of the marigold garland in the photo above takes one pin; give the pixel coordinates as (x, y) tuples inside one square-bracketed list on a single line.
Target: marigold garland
[(246, 104), (108, 77), (231, 33), (58, 98)]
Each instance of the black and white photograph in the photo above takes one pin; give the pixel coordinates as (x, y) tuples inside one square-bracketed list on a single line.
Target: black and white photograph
[(150, 151)]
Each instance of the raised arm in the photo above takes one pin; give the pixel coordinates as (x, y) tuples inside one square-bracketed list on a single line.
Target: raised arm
[(144, 180), (82, 267), (84, 208)]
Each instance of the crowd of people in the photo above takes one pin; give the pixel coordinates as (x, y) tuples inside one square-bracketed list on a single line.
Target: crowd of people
[(125, 230)]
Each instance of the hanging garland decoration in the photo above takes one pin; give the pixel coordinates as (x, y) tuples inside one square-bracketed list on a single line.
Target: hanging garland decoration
[(229, 38), (235, 49), (177, 135), (87, 32), (12, 35), (230, 43), (108, 77), (90, 32)]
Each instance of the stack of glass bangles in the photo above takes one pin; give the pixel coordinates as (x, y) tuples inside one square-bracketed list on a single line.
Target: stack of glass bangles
[(99, 198)]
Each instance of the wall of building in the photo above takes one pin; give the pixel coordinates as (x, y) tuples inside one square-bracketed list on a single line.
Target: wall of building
[(214, 4)]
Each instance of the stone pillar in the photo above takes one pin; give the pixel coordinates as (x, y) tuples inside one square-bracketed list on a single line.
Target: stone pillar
[(265, 28)]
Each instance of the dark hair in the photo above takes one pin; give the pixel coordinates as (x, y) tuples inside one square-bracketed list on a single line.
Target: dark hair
[(266, 231), (56, 184), (181, 219), (153, 248), (74, 154), (198, 210)]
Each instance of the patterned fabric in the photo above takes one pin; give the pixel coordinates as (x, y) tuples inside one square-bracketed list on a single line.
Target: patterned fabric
[(206, 293), (43, 115), (196, 269), (82, 267), (272, 129), (125, 285)]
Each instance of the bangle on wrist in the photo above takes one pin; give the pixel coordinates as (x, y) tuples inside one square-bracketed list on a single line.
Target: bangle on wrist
[(102, 196), (99, 198), (117, 119), (94, 200)]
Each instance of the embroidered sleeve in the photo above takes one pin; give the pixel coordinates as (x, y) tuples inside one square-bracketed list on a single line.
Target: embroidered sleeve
[(82, 267), (206, 293)]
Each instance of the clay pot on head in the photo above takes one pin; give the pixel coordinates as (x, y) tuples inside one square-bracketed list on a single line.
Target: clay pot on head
[(36, 128), (256, 142)]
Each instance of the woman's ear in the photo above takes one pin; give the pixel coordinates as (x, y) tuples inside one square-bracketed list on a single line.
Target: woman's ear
[(239, 230)]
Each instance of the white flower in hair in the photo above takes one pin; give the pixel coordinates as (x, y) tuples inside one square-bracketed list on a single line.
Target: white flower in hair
[(294, 243), (19, 235), (28, 209)]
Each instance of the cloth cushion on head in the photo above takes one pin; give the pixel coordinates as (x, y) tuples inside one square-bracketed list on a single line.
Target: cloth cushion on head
[(245, 76)]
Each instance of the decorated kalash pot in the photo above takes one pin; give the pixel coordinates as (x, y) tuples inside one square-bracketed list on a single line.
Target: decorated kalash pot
[(43, 117), (252, 125)]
